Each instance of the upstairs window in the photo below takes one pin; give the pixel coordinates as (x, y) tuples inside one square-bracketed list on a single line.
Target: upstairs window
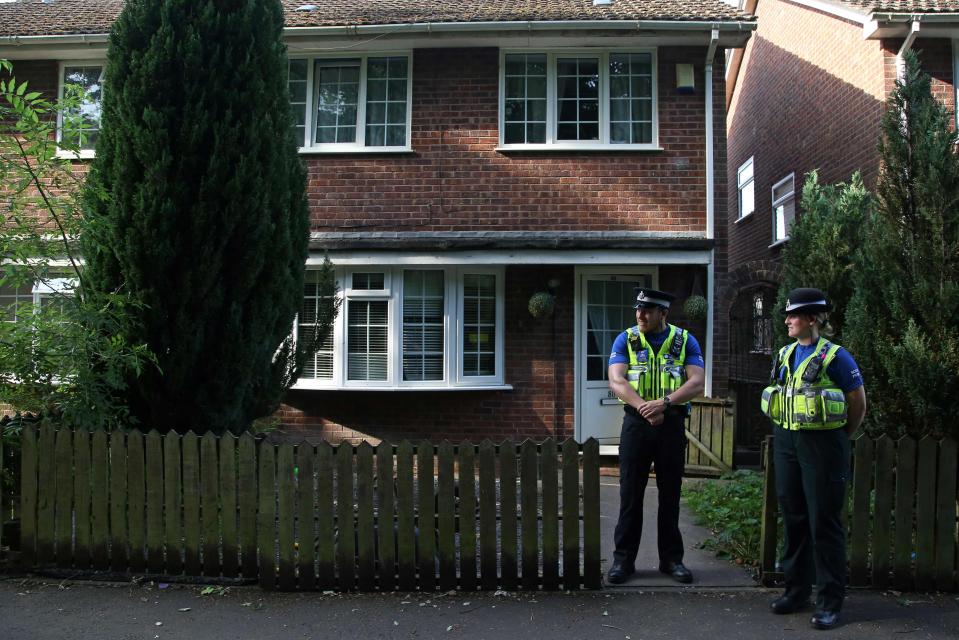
[(578, 100), (79, 126), (351, 103), (744, 181), (784, 207)]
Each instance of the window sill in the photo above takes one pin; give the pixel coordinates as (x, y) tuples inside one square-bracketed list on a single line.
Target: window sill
[(566, 148), (778, 243), (311, 151), (86, 154), (745, 217), (313, 386)]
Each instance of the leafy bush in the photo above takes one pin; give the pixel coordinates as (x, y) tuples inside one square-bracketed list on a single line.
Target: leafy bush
[(731, 508)]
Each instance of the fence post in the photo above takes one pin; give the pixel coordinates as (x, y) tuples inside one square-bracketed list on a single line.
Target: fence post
[(592, 573), (768, 531)]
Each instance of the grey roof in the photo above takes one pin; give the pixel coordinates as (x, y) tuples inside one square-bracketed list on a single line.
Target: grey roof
[(63, 17)]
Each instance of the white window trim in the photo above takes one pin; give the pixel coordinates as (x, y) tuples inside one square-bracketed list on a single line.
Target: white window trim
[(955, 82), (603, 143), (358, 146), (777, 201), (739, 189), (83, 154), (453, 378)]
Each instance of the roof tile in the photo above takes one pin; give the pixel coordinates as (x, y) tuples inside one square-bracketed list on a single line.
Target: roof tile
[(62, 17)]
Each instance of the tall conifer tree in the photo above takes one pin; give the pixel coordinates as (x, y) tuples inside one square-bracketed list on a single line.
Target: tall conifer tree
[(197, 200), (903, 320)]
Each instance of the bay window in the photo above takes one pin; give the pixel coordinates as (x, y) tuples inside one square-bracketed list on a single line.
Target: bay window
[(415, 326)]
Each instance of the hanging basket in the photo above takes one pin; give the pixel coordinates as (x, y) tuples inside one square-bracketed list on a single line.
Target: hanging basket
[(696, 308), (541, 305)]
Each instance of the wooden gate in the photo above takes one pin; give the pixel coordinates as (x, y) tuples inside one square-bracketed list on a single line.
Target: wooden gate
[(710, 432)]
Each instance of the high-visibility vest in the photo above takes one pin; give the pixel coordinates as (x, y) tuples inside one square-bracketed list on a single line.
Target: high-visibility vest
[(805, 398), (651, 375)]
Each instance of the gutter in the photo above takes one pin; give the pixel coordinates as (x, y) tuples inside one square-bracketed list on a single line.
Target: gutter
[(737, 26), (710, 209)]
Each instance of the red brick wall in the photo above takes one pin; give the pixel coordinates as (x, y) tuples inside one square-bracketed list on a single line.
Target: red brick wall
[(935, 58), (800, 105), (455, 180)]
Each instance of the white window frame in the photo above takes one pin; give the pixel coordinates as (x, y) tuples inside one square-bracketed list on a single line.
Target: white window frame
[(453, 378), (740, 186), (359, 145), (776, 202), (82, 153), (603, 144)]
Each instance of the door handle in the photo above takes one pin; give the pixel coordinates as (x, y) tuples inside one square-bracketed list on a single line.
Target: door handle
[(608, 401)]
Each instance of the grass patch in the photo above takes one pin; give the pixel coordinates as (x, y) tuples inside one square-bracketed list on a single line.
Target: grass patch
[(731, 508)]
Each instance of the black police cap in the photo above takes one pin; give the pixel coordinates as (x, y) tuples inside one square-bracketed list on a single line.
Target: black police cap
[(806, 300), (647, 298)]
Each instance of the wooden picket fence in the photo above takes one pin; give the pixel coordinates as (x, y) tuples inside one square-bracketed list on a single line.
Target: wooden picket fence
[(901, 517), (304, 516)]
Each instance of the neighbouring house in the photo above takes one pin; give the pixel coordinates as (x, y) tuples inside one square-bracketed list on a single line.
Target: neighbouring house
[(464, 156), (807, 92)]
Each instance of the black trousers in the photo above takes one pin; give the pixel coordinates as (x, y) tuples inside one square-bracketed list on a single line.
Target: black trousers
[(812, 470), (642, 445)]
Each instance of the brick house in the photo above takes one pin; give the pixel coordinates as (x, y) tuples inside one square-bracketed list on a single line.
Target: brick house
[(462, 157), (808, 92)]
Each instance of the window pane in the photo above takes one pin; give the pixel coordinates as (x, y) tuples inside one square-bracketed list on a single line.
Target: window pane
[(297, 86), (369, 281), (386, 101), (630, 77), (746, 199), (577, 83), (367, 342), (479, 325), (337, 92), (524, 115), (81, 123), (784, 189), (423, 323), (785, 214), (320, 366)]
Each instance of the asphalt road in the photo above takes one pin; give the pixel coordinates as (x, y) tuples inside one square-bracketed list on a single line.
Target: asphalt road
[(40, 610)]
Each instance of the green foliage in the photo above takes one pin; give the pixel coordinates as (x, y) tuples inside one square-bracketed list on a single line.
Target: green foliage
[(732, 510), (903, 316), (822, 244), (66, 359), (197, 197)]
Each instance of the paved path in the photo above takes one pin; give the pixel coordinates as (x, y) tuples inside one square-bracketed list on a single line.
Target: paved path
[(708, 570)]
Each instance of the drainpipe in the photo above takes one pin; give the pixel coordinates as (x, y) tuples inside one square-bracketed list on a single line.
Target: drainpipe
[(710, 211), (906, 46)]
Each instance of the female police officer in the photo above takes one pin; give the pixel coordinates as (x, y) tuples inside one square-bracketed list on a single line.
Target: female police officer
[(816, 401)]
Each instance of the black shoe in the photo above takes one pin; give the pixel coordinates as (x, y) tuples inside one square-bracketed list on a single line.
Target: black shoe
[(619, 572), (823, 619), (789, 603), (677, 571)]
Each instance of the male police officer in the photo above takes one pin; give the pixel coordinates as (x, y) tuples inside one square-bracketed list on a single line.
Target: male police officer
[(655, 369), (817, 400)]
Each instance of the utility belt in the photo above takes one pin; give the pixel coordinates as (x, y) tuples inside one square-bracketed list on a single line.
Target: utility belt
[(806, 407)]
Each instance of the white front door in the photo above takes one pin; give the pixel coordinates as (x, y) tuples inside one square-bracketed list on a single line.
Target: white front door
[(606, 309)]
